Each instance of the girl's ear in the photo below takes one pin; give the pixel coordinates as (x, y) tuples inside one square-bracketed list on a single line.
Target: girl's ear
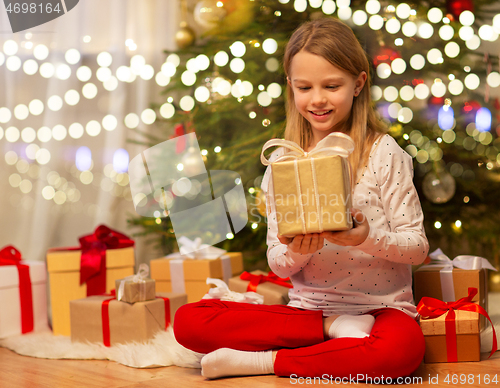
[(289, 82), (360, 82)]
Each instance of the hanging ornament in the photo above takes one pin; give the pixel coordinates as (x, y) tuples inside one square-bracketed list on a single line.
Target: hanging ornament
[(209, 13), (181, 142), (260, 202), (239, 14), (456, 7), (185, 36), (385, 55), (438, 186), (192, 162)]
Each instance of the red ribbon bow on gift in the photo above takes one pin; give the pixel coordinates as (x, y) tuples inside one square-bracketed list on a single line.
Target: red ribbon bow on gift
[(255, 280), (9, 255), (433, 308), (93, 246)]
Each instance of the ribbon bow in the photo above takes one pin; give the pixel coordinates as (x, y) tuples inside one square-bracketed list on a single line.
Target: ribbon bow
[(222, 292), (271, 277), (433, 308), (336, 143), (439, 259), (139, 277), (9, 255), (93, 247), (194, 249)]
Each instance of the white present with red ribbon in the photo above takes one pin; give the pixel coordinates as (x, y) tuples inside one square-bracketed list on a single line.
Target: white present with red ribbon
[(23, 294)]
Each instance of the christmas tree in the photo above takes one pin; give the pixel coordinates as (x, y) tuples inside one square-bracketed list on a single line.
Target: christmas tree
[(432, 82)]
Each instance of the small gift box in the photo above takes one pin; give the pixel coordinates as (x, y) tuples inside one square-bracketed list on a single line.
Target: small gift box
[(23, 297), (136, 288), (312, 190), (90, 269), (273, 288), (449, 280), (187, 273), (106, 320), (451, 330)]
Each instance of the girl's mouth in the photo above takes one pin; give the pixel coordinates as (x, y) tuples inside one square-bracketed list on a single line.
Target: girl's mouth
[(320, 113)]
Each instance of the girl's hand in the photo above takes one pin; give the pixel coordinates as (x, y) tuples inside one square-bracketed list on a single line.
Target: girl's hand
[(354, 236), (303, 243)]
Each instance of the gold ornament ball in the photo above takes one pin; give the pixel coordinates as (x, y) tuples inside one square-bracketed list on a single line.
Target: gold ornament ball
[(185, 36), (260, 201), (494, 282)]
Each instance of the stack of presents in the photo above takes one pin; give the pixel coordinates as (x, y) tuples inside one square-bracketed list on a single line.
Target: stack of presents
[(97, 297)]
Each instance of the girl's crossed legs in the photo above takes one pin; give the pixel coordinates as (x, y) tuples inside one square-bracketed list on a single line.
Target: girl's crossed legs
[(394, 348)]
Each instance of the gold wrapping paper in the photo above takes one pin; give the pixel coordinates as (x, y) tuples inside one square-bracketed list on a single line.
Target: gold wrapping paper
[(272, 293), (196, 273), (136, 292), (468, 337), (324, 185), (64, 277), (127, 322)]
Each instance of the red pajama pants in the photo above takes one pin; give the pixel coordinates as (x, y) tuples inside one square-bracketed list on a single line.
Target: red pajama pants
[(395, 347)]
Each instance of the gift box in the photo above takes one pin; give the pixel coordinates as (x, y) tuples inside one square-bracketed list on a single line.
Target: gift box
[(449, 280), (23, 296), (134, 292), (182, 275), (67, 267), (452, 330), (270, 286), (136, 288), (468, 339), (106, 320), (312, 190)]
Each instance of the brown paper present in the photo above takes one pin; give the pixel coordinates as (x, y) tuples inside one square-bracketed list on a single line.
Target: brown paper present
[(273, 293), (130, 291), (427, 282), (126, 322), (194, 273), (312, 190), (468, 337), (64, 275)]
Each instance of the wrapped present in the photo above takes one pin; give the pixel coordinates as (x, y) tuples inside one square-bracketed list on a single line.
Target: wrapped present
[(90, 269), (451, 329), (187, 273), (23, 295), (104, 319), (136, 288), (222, 292), (273, 288), (312, 190), (449, 280)]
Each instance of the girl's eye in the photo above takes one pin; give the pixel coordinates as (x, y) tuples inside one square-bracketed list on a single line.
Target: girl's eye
[(332, 87), (304, 88)]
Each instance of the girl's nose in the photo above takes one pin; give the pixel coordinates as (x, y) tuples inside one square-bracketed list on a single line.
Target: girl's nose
[(318, 98)]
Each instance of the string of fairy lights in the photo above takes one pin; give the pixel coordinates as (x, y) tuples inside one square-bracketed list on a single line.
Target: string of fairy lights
[(33, 159)]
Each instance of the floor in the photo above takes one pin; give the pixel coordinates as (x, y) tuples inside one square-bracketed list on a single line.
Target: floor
[(26, 372)]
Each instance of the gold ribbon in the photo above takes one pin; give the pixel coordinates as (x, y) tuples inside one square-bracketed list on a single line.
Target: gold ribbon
[(335, 143)]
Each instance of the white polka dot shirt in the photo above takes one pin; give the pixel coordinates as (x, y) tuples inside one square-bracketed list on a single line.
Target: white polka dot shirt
[(376, 273)]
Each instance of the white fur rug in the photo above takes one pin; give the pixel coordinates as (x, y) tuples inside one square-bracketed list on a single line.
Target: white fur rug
[(163, 350)]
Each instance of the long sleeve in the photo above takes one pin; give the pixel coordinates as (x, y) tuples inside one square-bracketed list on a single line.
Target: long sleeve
[(281, 260), (403, 238)]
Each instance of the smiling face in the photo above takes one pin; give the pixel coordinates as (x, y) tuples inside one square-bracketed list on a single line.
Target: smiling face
[(323, 94)]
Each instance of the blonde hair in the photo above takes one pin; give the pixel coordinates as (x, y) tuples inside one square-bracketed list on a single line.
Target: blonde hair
[(334, 41)]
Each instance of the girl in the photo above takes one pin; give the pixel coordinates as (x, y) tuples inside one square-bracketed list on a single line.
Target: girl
[(351, 311)]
